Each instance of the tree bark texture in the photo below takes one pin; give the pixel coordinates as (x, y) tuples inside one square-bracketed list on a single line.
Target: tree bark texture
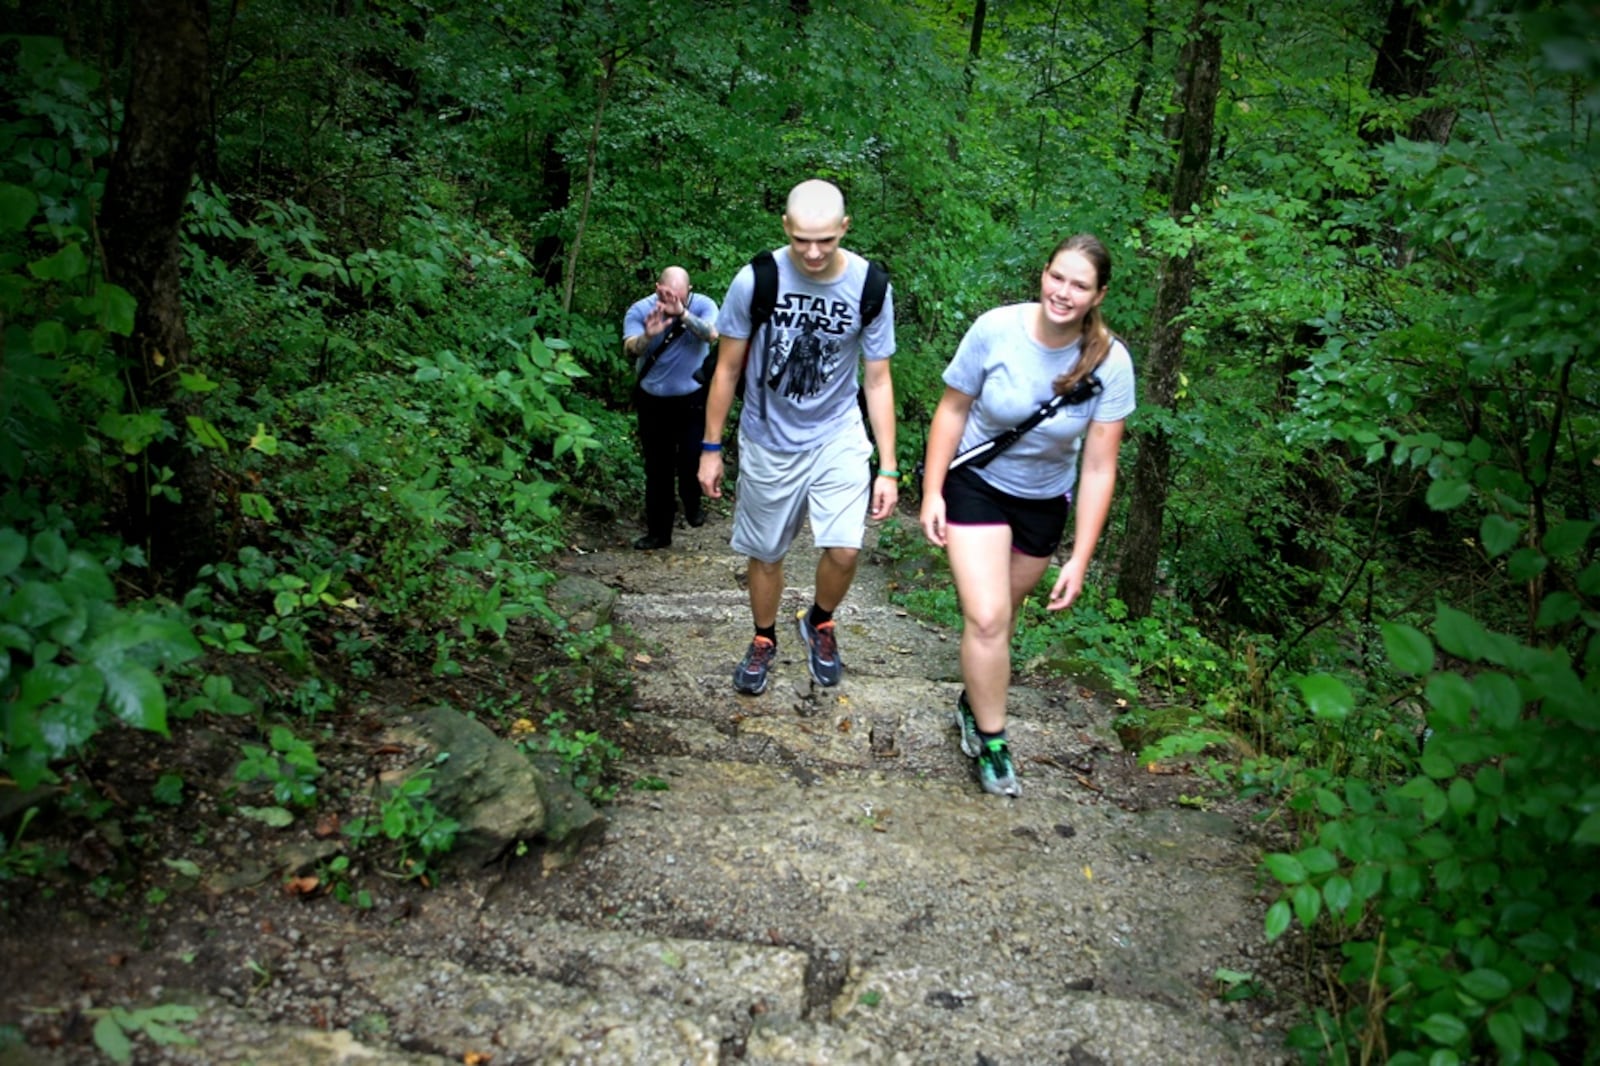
[(1407, 67), (165, 118), (1200, 77)]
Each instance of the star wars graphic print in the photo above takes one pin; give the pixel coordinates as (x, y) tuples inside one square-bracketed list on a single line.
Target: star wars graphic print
[(804, 343)]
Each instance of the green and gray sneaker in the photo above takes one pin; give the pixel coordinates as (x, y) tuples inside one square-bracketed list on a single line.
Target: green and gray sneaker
[(994, 769), (970, 744)]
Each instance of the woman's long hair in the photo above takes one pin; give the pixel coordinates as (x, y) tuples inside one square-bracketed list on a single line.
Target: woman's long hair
[(1096, 342)]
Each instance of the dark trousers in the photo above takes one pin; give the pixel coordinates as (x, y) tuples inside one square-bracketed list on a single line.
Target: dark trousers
[(670, 428)]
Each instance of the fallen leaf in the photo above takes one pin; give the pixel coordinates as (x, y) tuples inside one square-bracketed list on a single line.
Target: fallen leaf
[(522, 727), (327, 826), (844, 725), (477, 1058), (643, 659), (1088, 874), (300, 886)]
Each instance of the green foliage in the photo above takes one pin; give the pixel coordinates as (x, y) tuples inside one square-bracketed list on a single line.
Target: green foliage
[(417, 833), (1461, 894), (116, 1027), (289, 767), (74, 662)]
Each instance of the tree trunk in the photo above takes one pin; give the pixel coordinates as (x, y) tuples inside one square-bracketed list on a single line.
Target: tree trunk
[(165, 118), (1147, 54), (980, 12), (1200, 78), (1406, 67)]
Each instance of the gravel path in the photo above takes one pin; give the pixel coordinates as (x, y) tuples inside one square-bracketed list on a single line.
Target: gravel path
[(816, 878)]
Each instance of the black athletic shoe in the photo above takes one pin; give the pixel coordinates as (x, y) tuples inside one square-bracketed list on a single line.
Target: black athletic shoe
[(755, 668), (649, 543)]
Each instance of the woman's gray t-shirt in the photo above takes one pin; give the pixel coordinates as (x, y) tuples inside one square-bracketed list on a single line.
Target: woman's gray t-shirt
[(1009, 374), (808, 355)]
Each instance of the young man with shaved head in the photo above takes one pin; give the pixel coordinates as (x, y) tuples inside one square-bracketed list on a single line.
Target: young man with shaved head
[(668, 335), (803, 448)]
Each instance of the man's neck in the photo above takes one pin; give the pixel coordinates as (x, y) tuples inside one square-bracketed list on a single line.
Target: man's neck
[(834, 271)]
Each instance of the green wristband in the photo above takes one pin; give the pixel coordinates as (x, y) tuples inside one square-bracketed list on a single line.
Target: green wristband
[(893, 475)]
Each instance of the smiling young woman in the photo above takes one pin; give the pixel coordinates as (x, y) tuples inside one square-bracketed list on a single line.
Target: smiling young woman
[(1001, 523)]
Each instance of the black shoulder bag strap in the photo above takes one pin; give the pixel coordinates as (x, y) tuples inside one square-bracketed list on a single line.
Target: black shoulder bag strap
[(672, 334), (983, 453)]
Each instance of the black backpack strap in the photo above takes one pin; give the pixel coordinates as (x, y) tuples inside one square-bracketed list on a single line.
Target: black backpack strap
[(873, 293), (764, 298), (763, 301)]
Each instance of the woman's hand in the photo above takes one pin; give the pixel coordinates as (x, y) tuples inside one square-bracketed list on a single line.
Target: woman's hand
[(933, 523), (1068, 584)]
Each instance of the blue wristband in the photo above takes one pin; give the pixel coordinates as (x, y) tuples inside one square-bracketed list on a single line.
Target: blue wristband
[(710, 446)]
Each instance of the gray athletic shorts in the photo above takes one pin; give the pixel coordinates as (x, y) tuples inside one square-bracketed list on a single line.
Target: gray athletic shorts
[(777, 490)]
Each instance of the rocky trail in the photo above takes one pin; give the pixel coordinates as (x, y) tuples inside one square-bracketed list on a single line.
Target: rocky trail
[(807, 876)]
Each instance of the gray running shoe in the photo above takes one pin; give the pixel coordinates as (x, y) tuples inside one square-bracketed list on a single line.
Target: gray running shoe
[(994, 769), (755, 668), (822, 650), (970, 742)]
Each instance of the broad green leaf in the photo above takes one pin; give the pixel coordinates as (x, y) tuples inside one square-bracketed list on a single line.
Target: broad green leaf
[(1485, 984), (1436, 765), (1526, 563), (1498, 535), (1451, 698), (1446, 494), (1444, 1029), (49, 337), (1588, 831), (109, 1038), (1286, 868), (1336, 892), (73, 718), (1555, 991), (1277, 920), (1498, 698), (1318, 860), (1558, 608), (1567, 539), (1328, 697), (1307, 904), (207, 434), (1506, 1032), (51, 550), (277, 817), (135, 695), (65, 265), (13, 550), (112, 308), (34, 605), (1359, 795), (156, 638), (1458, 633), (1435, 846), (1463, 797), (1329, 803), (1531, 1015), (1366, 881), (1409, 649), (18, 205)]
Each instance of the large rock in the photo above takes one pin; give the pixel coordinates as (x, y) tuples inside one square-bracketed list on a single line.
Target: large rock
[(485, 782)]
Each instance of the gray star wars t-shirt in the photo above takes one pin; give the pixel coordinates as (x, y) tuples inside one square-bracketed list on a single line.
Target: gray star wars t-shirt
[(806, 361)]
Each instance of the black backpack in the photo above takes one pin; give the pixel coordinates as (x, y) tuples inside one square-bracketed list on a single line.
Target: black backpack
[(764, 301)]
